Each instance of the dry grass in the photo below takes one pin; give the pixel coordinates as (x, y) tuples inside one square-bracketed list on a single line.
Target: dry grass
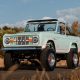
[(43, 75), (39, 75), (75, 74), (10, 71)]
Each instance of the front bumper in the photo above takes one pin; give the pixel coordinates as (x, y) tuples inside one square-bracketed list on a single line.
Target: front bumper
[(21, 48)]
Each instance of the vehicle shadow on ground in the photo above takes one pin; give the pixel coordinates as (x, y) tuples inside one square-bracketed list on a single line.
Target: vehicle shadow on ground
[(27, 67), (34, 67)]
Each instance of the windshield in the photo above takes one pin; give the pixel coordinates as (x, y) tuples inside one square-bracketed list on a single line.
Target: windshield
[(40, 27)]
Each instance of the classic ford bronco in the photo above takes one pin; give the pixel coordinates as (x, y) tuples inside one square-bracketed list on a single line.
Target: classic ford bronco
[(48, 40)]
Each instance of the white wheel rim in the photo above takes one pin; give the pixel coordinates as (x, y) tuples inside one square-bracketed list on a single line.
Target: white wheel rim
[(75, 59), (51, 59)]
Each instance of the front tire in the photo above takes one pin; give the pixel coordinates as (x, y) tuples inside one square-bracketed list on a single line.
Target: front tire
[(72, 58), (7, 60), (48, 59)]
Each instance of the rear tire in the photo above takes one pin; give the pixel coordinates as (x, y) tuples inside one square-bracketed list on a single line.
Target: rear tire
[(48, 59), (72, 58)]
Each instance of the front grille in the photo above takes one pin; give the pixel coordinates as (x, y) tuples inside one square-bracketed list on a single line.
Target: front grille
[(21, 40)]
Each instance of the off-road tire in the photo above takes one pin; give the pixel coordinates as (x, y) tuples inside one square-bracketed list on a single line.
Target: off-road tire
[(44, 59), (69, 58), (8, 61)]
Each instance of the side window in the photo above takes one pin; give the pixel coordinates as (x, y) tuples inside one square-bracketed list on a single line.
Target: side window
[(41, 27), (50, 27), (67, 31), (62, 28), (58, 30)]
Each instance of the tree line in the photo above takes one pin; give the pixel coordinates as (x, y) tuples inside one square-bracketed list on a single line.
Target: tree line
[(9, 30)]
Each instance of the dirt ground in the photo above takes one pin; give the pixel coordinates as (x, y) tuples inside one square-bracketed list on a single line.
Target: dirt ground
[(1, 62), (60, 63)]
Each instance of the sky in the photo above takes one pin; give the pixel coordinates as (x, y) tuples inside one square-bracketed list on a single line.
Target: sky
[(17, 12)]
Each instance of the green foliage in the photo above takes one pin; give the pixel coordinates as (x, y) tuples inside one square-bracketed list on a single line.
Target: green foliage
[(1, 40), (9, 30), (5, 28)]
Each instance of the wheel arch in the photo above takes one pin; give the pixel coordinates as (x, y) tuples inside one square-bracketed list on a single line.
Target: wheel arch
[(73, 45), (52, 43)]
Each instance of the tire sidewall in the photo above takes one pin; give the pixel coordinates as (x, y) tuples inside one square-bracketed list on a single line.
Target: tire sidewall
[(70, 55), (51, 51), (75, 52), (7, 60)]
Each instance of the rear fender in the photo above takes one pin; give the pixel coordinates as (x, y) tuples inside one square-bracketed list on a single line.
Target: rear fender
[(72, 45)]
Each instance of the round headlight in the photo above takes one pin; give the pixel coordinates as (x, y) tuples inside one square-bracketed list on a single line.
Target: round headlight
[(6, 40), (35, 39)]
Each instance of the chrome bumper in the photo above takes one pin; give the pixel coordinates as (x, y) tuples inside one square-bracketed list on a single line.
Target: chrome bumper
[(21, 48)]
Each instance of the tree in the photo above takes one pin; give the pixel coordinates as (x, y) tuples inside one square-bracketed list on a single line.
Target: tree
[(5, 28), (75, 27)]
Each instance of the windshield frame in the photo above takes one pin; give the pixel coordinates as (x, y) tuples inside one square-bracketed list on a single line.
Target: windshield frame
[(38, 23)]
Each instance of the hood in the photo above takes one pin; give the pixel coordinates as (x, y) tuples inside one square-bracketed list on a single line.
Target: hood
[(23, 33), (28, 33)]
